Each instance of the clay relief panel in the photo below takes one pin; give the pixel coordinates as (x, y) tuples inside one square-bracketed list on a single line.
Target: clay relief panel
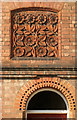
[(34, 34)]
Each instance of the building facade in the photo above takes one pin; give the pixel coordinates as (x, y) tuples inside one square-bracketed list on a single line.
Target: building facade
[(38, 60)]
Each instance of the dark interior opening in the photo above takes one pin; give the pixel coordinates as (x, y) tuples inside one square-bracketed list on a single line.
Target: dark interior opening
[(46, 100)]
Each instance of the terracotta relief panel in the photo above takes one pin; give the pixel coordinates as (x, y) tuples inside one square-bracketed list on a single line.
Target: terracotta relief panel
[(34, 34)]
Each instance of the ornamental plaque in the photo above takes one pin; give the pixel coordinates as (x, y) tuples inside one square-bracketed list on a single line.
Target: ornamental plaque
[(34, 34)]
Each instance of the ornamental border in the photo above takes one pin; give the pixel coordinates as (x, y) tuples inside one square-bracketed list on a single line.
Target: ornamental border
[(31, 86)]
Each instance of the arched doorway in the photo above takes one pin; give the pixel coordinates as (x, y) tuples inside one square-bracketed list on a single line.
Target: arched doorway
[(47, 104)]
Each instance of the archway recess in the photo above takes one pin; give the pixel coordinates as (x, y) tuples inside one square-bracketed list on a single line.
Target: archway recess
[(47, 101)]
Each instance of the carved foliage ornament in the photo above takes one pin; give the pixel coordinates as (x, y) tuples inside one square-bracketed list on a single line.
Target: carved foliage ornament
[(35, 34)]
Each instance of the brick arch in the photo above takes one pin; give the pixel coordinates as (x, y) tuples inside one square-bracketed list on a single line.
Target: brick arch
[(16, 5), (31, 86)]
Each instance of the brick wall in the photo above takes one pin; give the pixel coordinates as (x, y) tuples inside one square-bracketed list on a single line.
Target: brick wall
[(0, 60), (13, 90), (17, 73), (67, 34)]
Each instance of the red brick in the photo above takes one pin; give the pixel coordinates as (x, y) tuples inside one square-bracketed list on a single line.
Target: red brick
[(67, 51)]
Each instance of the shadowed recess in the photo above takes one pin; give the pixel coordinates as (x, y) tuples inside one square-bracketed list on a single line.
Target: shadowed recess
[(46, 100)]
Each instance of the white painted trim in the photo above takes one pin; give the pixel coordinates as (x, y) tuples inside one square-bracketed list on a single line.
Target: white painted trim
[(48, 111)]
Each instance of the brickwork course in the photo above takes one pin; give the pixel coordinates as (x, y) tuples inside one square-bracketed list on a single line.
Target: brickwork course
[(20, 78)]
